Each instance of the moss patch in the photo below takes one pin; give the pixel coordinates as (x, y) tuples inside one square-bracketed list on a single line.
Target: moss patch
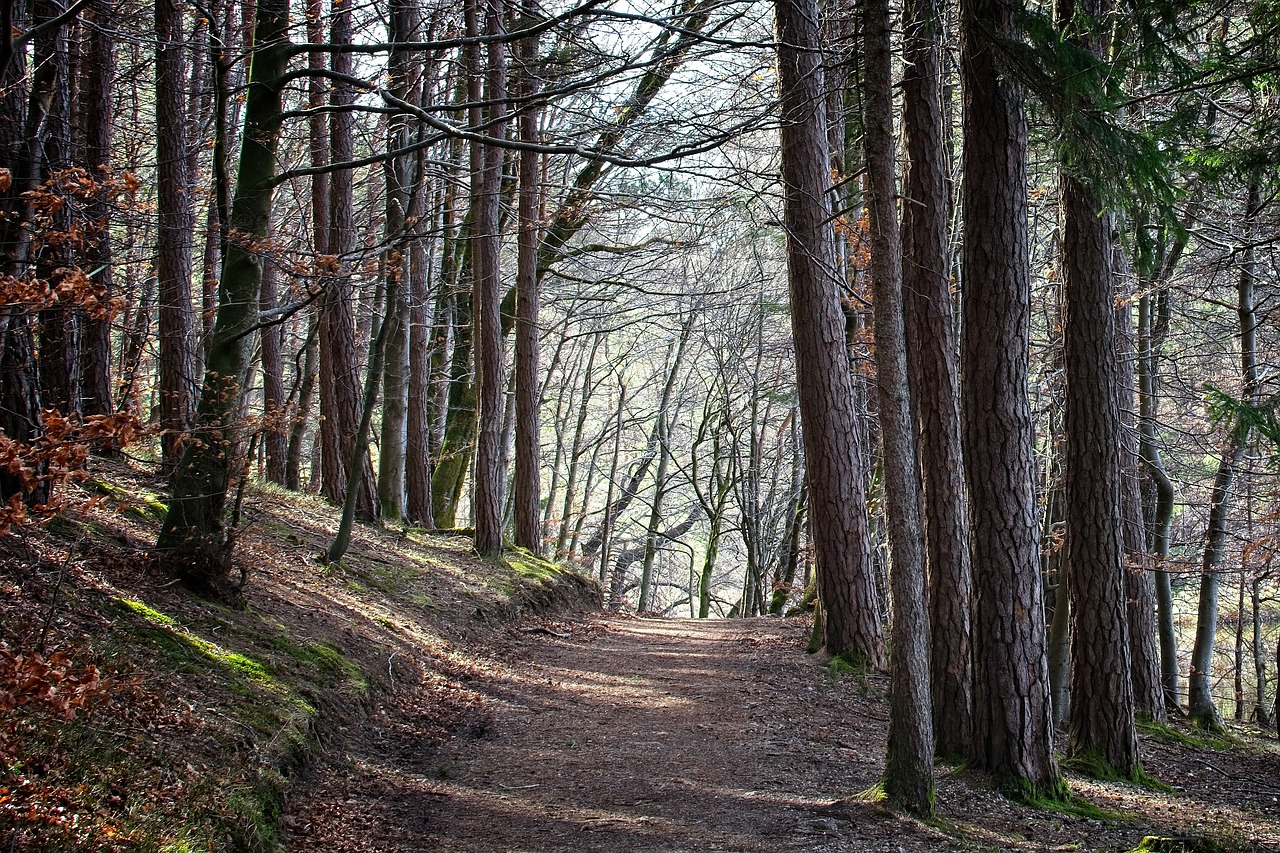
[(1195, 737), (1178, 844)]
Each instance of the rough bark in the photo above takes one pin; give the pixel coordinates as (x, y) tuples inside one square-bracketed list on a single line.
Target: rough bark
[(488, 474), (935, 385), (175, 230), (837, 503), (528, 470), (1101, 722), (340, 401), (1012, 737), (96, 117), (908, 781)]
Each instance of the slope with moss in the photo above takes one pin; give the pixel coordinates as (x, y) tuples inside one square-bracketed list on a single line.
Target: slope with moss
[(134, 716)]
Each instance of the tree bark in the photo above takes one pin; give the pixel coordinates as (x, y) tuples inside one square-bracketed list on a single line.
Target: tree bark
[(1012, 738), (528, 473), (340, 401), (275, 415), (489, 471), (1101, 722), (96, 117), (931, 357), (194, 532), (908, 781), (837, 503), (175, 230)]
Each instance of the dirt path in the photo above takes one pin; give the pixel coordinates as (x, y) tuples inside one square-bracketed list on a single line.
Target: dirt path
[(657, 735)]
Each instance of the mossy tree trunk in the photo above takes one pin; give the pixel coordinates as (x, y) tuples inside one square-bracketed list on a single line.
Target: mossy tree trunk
[(194, 533)]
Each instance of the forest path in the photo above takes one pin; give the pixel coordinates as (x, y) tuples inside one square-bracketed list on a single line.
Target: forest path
[(637, 735), (630, 735)]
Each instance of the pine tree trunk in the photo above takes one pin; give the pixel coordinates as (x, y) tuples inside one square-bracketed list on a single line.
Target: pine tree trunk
[(96, 117), (931, 351), (1101, 723), (528, 472), (175, 231), (908, 781), (832, 454), (488, 479), (1012, 738), (340, 399)]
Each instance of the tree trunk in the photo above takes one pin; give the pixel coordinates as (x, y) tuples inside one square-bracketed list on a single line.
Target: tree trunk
[(837, 503), (418, 423), (645, 604), (275, 416), (1144, 654), (96, 116), (175, 230), (1159, 512), (606, 527), (528, 473), (194, 532), (488, 481), (403, 187), (931, 351), (1012, 738), (1101, 724), (302, 410), (340, 403), (908, 779)]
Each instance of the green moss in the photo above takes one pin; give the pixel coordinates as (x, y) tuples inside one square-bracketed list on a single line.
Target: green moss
[(1056, 797), (146, 506), (1180, 844), (179, 638), (527, 565), (323, 658), (1091, 763), (848, 663), (1197, 737)]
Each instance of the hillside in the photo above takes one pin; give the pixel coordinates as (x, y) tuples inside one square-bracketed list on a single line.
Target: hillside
[(138, 717), (418, 698)]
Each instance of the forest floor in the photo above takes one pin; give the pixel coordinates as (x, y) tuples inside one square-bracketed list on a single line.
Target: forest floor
[(638, 734)]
